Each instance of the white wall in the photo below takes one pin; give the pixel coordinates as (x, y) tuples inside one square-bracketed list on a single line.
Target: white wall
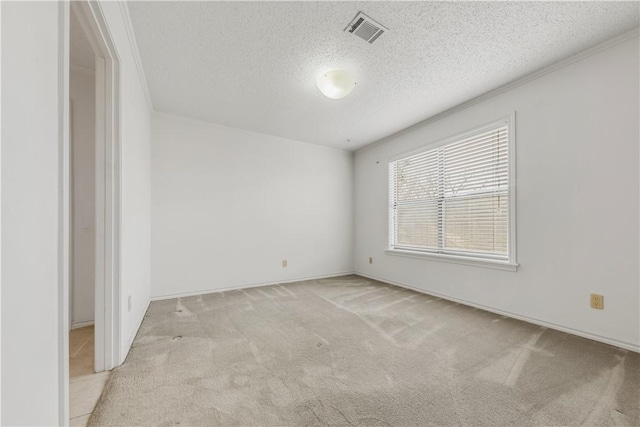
[(135, 119), (31, 129), (30, 144), (577, 201), (229, 205), (82, 141)]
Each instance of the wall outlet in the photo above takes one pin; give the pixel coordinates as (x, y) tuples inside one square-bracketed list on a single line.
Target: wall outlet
[(370, 260), (597, 301), (129, 302), (284, 262)]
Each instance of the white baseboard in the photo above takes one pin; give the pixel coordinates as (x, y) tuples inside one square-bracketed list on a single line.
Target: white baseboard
[(583, 334), (253, 285), (78, 325)]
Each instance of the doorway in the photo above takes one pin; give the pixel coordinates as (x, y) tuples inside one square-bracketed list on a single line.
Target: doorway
[(86, 378), (90, 233)]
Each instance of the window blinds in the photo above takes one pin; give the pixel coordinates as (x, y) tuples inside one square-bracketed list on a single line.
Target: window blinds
[(453, 199)]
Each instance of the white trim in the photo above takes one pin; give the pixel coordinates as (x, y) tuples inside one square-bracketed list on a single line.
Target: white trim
[(71, 206), (509, 265), (506, 87), (254, 285), (572, 331), (100, 266), (64, 22), (0, 211), (455, 259), (131, 35), (78, 325), (513, 214)]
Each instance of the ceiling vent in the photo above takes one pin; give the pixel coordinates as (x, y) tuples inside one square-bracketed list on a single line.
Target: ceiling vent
[(366, 28)]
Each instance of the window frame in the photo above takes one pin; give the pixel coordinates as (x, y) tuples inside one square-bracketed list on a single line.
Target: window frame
[(510, 263)]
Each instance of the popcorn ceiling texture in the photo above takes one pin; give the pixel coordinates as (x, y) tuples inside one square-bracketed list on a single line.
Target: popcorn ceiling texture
[(254, 65), (354, 351)]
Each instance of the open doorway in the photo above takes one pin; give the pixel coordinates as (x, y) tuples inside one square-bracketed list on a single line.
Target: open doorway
[(86, 381), (91, 212)]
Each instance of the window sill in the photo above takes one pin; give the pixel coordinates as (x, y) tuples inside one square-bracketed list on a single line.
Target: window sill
[(454, 259)]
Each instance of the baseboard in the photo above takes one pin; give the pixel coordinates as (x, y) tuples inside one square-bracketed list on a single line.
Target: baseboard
[(132, 336), (78, 325), (508, 86), (583, 334), (253, 285)]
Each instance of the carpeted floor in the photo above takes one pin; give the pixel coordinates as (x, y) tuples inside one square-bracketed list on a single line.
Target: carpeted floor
[(353, 351)]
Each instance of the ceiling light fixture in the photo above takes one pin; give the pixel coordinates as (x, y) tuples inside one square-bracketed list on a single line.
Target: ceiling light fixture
[(336, 84)]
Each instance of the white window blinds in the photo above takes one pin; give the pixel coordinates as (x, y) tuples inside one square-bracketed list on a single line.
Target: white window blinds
[(454, 199)]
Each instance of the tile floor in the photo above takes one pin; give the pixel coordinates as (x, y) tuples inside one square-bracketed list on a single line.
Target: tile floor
[(85, 386)]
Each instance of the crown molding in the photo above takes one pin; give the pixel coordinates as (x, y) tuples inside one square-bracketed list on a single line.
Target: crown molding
[(513, 84), (126, 17)]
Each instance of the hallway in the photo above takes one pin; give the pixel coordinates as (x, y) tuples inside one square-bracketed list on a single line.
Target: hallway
[(85, 386)]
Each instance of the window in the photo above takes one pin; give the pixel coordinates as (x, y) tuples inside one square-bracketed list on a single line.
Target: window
[(455, 199)]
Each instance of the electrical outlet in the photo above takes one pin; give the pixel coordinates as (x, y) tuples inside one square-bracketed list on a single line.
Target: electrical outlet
[(284, 262), (597, 301), (370, 260), (129, 302)]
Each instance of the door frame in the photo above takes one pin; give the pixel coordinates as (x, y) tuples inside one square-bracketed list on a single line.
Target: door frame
[(108, 192)]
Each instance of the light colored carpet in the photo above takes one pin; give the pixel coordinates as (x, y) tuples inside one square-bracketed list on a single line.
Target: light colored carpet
[(353, 351)]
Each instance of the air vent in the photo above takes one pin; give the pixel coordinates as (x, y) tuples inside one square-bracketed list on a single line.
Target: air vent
[(366, 28)]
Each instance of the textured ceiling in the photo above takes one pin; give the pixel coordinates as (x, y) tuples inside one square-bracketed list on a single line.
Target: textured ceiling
[(80, 50), (254, 65)]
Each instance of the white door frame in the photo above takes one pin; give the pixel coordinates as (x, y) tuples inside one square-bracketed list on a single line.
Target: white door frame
[(108, 191)]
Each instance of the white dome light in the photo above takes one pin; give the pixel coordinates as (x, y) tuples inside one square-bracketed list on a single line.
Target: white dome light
[(336, 84)]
